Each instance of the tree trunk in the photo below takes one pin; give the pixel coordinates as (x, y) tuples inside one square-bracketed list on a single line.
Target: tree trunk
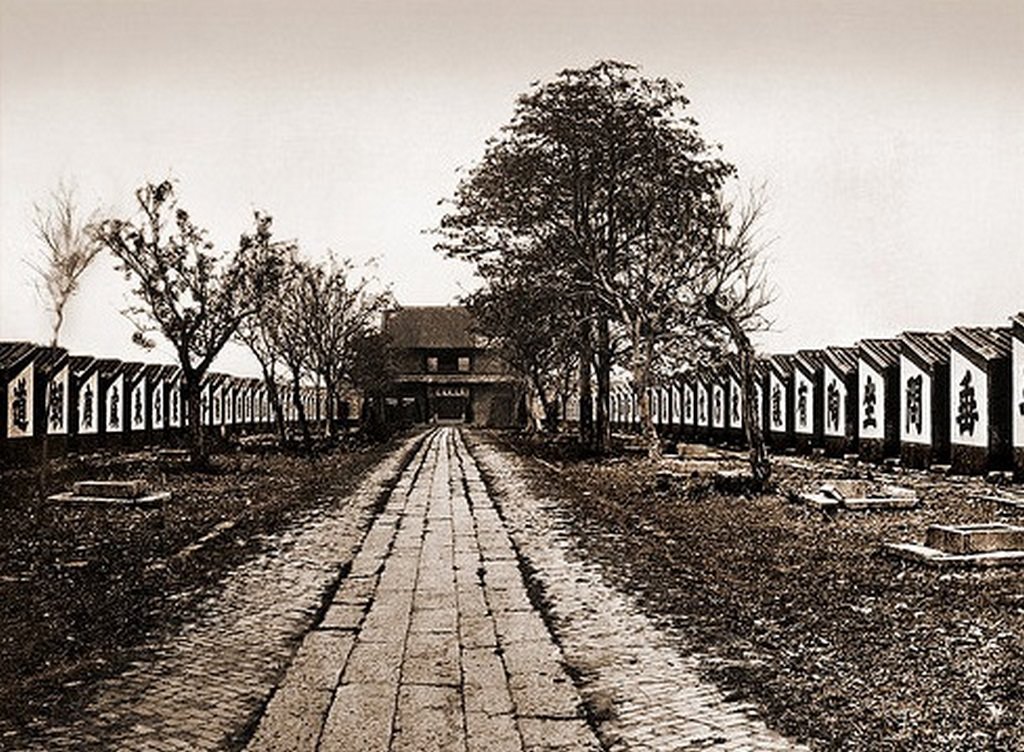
[(193, 401), (307, 438), (642, 378), (760, 466), (586, 418), (329, 406), (549, 417), (603, 432)]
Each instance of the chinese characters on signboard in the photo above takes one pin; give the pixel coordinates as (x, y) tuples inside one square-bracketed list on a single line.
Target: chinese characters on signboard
[(915, 412), (776, 406), (967, 409), (801, 404), (870, 398), (832, 405)]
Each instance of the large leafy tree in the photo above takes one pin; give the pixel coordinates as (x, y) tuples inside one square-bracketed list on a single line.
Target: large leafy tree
[(602, 177), (193, 296)]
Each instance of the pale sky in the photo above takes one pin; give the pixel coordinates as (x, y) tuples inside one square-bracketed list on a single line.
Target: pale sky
[(890, 134)]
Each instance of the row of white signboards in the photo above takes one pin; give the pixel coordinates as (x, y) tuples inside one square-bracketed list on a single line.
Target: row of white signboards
[(110, 397), (879, 390)]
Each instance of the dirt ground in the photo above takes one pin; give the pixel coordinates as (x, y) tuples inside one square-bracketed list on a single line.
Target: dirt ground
[(80, 585), (801, 612)]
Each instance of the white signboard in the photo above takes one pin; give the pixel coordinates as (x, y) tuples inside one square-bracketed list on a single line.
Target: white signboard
[(776, 403), (1017, 395), (871, 398), (663, 397), (677, 405), (689, 412), (89, 405), (835, 404), (137, 405), (915, 403), (20, 399), (718, 405), (968, 402), (803, 403), (57, 403), (115, 405)]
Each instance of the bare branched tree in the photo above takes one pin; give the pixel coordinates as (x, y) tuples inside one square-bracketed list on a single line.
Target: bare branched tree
[(66, 252), (736, 294)]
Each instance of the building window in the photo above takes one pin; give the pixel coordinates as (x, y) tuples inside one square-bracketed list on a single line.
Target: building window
[(464, 365), (432, 364)]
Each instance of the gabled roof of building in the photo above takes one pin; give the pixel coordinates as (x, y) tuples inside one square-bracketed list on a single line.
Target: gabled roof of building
[(15, 354), (842, 360), (880, 353), (82, 365), (981, 343), (926, 349), (1017, 322), (809, 361), (110, 368), (434, 327), (782, 364)]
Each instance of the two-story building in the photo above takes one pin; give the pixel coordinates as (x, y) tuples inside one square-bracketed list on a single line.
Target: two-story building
[(444, 372)]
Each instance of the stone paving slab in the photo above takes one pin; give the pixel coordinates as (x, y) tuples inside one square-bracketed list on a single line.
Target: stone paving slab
[(447, 653)]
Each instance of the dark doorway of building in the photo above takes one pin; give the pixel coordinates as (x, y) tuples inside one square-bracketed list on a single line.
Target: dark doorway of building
[(450, 408)]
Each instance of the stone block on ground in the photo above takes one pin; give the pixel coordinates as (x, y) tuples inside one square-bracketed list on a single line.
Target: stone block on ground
[(982, 545), (112, 492), (975, 539), (111, 489), (860, 495)]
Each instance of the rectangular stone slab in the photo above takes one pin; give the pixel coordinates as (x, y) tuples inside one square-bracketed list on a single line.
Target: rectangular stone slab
[(137, 501), (935, 557), (972, 539), (111, 489)]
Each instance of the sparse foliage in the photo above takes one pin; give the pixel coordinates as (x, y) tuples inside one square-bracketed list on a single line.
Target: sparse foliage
[(735, 291), (67, 250), (193, 296)]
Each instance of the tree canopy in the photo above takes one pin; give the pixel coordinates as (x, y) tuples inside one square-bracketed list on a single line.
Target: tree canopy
[(602, 197)]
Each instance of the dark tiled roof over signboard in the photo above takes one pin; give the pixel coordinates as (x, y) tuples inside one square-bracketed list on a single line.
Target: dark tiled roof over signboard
[(880, 353), (1018, 323), (433, 327), (14, 354), (782, 364), (842, 360), (926, 349), (809, 361), (981, 343)]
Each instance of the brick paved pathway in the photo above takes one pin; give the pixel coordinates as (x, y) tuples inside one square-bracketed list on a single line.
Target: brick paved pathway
[(204, 686), (647, 694), (431, 642)]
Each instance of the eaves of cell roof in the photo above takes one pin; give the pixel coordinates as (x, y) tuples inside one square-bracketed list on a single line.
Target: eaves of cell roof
[(925, 349)]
